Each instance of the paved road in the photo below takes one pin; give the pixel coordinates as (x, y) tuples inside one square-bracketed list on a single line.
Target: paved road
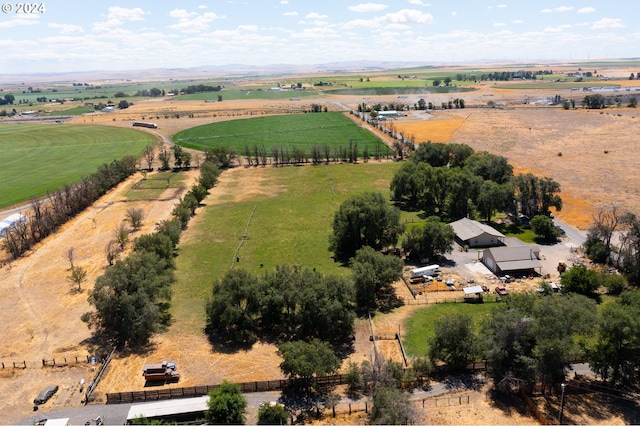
[(116, 414), (576, 236)]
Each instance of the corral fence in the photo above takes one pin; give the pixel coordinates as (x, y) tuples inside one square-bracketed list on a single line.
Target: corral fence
[(195, 391), (62, 361), (539, 415)]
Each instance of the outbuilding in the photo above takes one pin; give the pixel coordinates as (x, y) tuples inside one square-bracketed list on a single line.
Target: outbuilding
[(472, 233), (7, 223), (514, 260)]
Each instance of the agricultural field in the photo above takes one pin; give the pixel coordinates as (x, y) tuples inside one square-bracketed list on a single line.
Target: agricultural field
[(289, 210), (43, 157), (251, 93), (294, 130)]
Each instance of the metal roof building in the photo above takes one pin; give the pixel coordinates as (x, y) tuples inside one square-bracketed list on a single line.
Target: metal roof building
[(503, 260), (475, 234), (169, 408)]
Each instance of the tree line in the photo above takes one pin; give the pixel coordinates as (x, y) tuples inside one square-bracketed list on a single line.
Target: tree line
[(452, 181), (46, 215), (132, 298)]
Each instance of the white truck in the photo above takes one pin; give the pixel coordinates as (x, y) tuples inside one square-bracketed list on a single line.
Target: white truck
[(419, 274)]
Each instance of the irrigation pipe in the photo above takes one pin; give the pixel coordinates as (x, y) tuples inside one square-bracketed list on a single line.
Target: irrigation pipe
[(244, 237)]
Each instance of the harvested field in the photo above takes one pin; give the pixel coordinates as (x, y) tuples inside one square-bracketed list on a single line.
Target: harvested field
[(592, 154)]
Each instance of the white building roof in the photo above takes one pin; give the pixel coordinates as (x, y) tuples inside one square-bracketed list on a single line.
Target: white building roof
[(467, 229), (8, 221), (168, 407), (473, 289)]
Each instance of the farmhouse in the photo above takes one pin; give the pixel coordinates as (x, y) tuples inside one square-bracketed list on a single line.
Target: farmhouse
[(475, 234), (513, 260)]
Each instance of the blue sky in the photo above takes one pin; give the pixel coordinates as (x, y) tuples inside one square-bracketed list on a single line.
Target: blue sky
[(131, 34)]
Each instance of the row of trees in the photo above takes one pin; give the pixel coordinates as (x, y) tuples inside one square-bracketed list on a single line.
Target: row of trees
[(524, 343), (288, 303), (453, 181), (47, 215), (132, 298)]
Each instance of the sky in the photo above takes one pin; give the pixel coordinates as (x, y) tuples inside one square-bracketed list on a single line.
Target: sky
[(64, 35)]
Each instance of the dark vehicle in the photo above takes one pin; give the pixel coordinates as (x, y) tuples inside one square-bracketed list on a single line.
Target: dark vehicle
[(44, 396), (501, 291)]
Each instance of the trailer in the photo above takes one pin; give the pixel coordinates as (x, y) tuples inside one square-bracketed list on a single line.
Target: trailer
[(425, 271)]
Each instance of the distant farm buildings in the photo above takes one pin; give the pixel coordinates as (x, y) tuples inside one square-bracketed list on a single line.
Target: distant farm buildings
[(10, 222)]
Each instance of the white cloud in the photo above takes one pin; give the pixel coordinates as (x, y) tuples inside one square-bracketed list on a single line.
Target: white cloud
[(21, 20), (501, 6), (454, 13), (66, 28), (517, 21), (368, 7), (284, 1), (607, 23), (193, 23), (290, 13), (558, 9), (587, 10), (499, 24), (182, 14), (408, 16), (314, 15), (361, 23), (418, 3), (202, 6), (122, 14)]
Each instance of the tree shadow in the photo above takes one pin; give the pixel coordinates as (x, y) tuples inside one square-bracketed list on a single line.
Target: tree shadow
[(509, 403), (463, 382), (228, 346)]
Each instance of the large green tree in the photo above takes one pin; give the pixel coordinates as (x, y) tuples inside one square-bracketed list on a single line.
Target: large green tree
[(373, 274), (131, 299), (391, 406), (429, 241), (615, 354), (537, 194), (226, 405), (454, 341), (364, 220), (308, 360), (544, 228), (578, 279)]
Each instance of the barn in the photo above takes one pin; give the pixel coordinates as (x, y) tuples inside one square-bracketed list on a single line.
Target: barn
[(472, 233), (516, 260)]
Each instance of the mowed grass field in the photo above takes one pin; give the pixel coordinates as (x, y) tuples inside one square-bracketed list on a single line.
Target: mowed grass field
[(421, 325), (43, 157), (291, 224), (295, 130)]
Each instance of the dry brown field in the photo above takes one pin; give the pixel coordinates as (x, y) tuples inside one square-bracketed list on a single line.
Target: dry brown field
[(41, 313)]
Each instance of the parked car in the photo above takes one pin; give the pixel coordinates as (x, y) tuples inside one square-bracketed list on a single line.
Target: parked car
[(501, 291), (44, 396)]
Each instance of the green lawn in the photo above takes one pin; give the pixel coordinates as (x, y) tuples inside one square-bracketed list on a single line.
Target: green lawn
[(154, 184), (43, 157), (289, 225), (300, 130), (420, 326)]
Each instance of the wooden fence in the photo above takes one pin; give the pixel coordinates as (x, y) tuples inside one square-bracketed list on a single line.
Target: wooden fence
[(194, 391), (46, 362), (542, 419)]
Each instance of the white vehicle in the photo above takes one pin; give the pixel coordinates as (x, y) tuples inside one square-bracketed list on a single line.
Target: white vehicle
[(425, 271)]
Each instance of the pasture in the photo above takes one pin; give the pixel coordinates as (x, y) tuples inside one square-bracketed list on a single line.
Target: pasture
[(291, 223), (251, 93), (43, 157), (420, 326), (294, 130)]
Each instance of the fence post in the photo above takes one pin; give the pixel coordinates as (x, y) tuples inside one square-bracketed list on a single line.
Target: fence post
[(349, 408), (43, 362), (366, 407)]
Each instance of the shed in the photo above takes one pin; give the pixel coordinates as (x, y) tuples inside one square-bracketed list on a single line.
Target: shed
[(517, 259), (172, 408), (475, 289), (475, 234)]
